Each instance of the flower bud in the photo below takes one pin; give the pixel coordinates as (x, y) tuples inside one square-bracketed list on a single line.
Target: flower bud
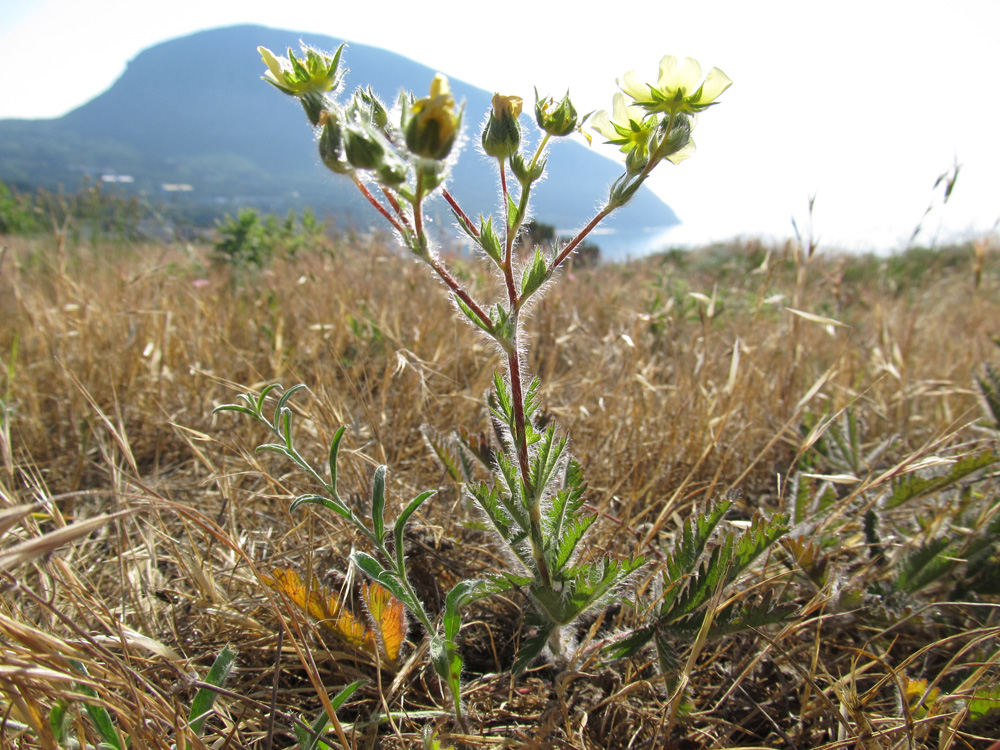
[(331, 145), (361, 149), (431, 124), (502, 133), (679, 144), (556, 119), (368, 108)]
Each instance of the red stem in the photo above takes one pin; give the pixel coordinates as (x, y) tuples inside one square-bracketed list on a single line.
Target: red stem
[(448, 279), (395, 206), (378, 206), (564, 253), (461, 214)]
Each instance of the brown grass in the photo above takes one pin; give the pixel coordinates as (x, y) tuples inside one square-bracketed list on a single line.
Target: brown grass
[(121, 357)]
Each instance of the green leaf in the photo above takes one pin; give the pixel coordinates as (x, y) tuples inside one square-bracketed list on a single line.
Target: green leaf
[(630, 644), (334, 455), (534, 275), (280, 406), (204, 699), (372, 567), (312, 738), (532, 647), (99, 715), (339, 508), (378, 504), (984, 702), (925, 565), (471, 315), (399, 528), (448, 456), (59, 720), (447, 663), (489, 241), (683, 560), (913, 486), (568, 540), (513, 213)]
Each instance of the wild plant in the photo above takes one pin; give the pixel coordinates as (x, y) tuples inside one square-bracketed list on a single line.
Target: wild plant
[(534, 499)]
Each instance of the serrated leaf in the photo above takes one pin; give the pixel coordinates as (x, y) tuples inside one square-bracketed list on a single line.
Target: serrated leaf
[(470, 314), (630, 644), (924, 566), (489, 241), (531, 648), (446, 454), (912, 486), (568, 540), (478, 446), (534, 275)]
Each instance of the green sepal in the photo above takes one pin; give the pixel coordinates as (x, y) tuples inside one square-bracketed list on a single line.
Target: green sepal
[(524, 172)]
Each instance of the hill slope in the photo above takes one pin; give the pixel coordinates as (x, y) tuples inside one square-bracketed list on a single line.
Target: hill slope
[(194, 111)]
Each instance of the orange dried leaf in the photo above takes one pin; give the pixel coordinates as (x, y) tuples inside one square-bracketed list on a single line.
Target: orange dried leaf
[(320, 603), (388, 617)]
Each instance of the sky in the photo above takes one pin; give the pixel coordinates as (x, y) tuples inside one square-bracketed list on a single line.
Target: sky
[(860, 104)]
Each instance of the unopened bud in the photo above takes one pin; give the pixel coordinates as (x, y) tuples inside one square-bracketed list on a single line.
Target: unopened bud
[(502, 133), (431, 124)]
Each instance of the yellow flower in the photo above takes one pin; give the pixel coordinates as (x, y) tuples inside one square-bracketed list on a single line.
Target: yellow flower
[(679, 87), (432, 123), (628, 126), (315, 73), (507, 106)]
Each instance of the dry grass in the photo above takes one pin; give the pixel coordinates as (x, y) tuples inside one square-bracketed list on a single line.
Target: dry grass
[(121, 356)]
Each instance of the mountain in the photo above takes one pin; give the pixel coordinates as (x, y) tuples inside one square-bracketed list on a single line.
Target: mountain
[(193, 112)]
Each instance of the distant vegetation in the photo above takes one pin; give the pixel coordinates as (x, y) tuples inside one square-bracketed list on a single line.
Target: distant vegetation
[(134, 543)]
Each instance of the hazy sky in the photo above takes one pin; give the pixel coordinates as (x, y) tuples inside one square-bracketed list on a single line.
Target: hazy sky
[(862, 103)]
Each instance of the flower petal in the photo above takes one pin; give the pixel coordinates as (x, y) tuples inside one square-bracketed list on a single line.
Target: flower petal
[(600, 121), (679, 74), (632, 85), (678, 156), (714, 85)]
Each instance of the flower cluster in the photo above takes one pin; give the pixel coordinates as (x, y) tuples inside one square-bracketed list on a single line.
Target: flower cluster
[(657, 123), (405, 150)]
